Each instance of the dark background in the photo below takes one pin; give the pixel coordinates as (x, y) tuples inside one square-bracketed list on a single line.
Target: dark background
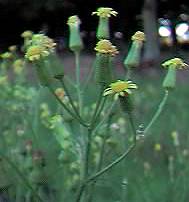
[(19, 15)]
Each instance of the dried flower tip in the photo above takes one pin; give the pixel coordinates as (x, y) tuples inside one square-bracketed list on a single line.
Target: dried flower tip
[(105, 12), (35, 52), (12, 48), (60, 93), (120, 88), (138, 36), (176, 63), (105, 47), (74, 20), (27, 34)]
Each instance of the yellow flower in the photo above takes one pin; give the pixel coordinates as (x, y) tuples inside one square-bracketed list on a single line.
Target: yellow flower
[(44, 41), (138, 36), (74, 20), (120, 88), (176, 63), (27, 34), (105, 12), (105, 47), (157, 147), (35, 52), (60, 93), (12, 48), (6, 55)]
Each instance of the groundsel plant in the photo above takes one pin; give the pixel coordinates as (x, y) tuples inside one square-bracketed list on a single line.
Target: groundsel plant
[(94, 121)]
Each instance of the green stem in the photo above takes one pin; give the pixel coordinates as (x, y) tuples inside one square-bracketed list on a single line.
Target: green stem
[(78, 85), (120, 158), (129, 73), (66, 108), (158, 112), (109, 108), (101, 158), (70, 98), (14, 166)]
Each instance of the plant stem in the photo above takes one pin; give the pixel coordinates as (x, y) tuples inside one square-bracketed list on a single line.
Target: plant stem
[(158, 112), (101, 158), (78, 84), (70, 98), (66, 108), (14, 166), (120, 158)]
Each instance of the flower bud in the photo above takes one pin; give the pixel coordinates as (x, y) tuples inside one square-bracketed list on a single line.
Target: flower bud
[(75, 41), (172, 65), (104, 14)]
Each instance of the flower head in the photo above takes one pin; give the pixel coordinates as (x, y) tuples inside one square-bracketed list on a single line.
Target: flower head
[(105, 12), (74, 21), (27, 34), (105, 47), (42, 40), (157, 147), (6, 55), (35, 52), (120, 88), (39, 46), (138, 36), (12, 48), (176, 63), (60, 93)]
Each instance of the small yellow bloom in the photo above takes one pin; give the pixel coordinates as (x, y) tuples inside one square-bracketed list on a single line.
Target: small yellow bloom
[(157, 147), (104, 46), (6, 55), (105, 12), (120, 88), (27, 34), (138, 36), (74, 20), (60, 93), (44, 41), (12, 48), (176, 63), (35, 52)]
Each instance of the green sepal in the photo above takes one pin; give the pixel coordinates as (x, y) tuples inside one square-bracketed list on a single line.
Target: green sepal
[(103, 70), (44, 72), (133, 57), (103, 31), (75, 41), (170, 79), (126, 103)]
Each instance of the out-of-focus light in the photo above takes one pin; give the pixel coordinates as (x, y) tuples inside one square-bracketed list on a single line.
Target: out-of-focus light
[(164, 31), (182, 28)]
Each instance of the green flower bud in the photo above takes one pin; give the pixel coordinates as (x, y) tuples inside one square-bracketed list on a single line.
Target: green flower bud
[(104, 14), (75, 41), (172, 65), (133, 57), (103, 31), (126, 104), (103, 63), (170, 79), (103, 69)]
